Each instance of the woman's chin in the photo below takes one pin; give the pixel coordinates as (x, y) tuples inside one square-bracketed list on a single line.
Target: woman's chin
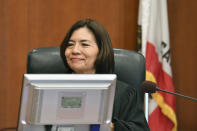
[(78, 70), (82, 71)]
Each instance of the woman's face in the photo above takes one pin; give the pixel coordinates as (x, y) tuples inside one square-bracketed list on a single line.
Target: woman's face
[(82, 51)]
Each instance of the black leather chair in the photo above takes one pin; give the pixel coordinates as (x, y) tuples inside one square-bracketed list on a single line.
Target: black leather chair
[(129, 65)]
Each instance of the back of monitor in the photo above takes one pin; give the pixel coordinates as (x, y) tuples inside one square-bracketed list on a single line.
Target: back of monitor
[(66, 99)]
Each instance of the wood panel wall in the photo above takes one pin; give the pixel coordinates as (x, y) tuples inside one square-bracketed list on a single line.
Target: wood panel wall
[(183, 37), (29, 24)]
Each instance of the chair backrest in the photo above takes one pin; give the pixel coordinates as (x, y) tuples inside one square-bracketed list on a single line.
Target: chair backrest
[(129, 65)]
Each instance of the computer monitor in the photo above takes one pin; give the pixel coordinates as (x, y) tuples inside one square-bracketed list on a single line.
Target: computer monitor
[(66, 99)]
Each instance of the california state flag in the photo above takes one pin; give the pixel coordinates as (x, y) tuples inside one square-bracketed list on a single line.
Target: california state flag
[(155, 46)]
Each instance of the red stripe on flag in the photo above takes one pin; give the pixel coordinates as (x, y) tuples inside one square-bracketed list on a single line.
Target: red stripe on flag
[(158, 122), (164, 81)]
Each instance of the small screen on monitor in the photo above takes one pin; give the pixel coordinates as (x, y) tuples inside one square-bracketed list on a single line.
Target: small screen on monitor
[(71, 102)]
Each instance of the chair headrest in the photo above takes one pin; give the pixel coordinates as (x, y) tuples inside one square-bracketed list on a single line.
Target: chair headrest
[(129, 65)]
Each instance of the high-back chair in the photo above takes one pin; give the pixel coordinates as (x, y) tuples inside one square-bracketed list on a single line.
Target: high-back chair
[(129, 65)]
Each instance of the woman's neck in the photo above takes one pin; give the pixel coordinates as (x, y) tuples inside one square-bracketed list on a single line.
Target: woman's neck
[(85, 72)]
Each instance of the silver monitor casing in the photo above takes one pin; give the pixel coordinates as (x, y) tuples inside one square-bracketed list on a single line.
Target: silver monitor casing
[(66, 99)]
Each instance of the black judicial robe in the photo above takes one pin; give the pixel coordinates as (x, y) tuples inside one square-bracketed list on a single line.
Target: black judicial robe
[(127, 116)]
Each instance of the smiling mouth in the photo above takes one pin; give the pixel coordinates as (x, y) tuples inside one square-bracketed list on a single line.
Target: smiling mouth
[(76, 59)]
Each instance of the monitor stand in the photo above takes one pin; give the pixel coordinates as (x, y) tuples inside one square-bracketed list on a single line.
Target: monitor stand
[(103, 127)]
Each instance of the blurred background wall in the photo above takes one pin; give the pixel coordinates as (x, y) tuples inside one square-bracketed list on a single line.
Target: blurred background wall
[(29, 24)]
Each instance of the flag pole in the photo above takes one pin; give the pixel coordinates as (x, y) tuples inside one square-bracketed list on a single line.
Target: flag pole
[(146, 103)]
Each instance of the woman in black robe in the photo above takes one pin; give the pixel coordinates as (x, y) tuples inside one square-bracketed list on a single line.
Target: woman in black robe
[(87, 49)]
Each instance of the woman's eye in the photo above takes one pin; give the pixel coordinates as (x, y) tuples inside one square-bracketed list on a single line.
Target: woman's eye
[(70, 44), (84, 44)]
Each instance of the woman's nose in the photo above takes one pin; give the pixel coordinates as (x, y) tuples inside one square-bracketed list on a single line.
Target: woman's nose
[(76, 48)]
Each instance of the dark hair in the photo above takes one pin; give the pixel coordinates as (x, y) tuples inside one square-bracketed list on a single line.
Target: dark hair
[(104, 63)]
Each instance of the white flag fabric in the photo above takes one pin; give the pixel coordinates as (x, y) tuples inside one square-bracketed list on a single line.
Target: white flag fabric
[(155, 47)]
